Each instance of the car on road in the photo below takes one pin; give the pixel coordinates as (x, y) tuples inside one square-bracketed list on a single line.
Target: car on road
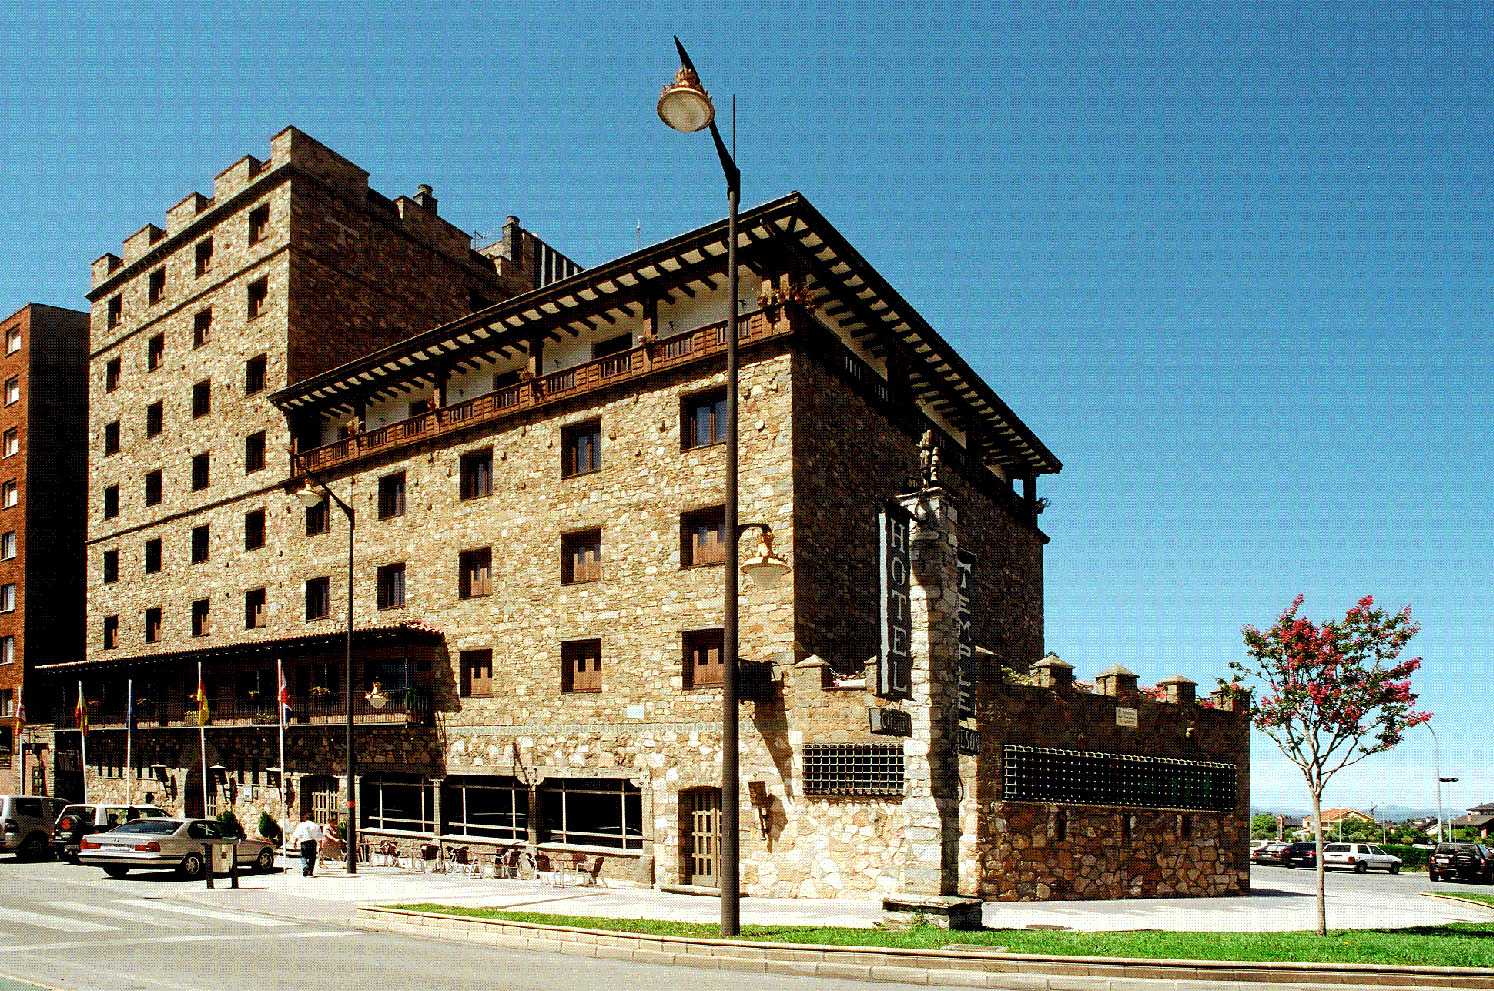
[(1465, 861), (1269, 854), (78, 821), (26, 824), (1359, 858), (170, 844), (1300, 855)]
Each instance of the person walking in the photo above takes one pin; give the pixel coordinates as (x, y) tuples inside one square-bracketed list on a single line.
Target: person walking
[(307, 835)]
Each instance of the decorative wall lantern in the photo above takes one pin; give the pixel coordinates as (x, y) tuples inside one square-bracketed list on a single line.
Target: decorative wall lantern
[(376, 698)]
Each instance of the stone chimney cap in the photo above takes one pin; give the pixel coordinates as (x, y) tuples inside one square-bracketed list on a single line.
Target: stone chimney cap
[(1051, 660), (1117, 671), (1177, 679), (424, 188)]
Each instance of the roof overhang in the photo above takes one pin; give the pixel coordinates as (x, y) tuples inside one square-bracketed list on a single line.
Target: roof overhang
[(847, 290)]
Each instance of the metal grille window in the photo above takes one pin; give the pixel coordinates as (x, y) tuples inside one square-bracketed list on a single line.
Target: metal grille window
[(1043, 774), (852, 769)]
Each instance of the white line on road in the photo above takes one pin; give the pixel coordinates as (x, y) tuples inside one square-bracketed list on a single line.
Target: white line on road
[(206, 913), (37, 920), (183, 938)]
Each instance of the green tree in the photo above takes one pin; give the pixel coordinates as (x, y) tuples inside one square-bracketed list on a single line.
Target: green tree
[(1263, 827), (1331, 695)]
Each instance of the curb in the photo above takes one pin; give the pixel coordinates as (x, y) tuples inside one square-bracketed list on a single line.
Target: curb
[(1459, 899), (961, 968)]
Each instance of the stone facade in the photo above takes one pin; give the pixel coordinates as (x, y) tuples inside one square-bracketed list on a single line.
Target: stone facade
[(42, 451), (535, 584)]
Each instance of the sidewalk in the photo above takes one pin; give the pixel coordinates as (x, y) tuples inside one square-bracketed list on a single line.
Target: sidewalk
[(333, 896)]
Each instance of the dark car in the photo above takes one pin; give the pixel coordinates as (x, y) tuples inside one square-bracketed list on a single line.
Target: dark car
[(1465, 861), (1271, 853), (1300, 855)]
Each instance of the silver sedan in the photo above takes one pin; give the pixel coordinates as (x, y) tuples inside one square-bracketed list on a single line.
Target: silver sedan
[(170, 844)]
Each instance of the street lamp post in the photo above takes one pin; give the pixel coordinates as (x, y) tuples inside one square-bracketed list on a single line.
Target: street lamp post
[(686, 107), (309, 496)]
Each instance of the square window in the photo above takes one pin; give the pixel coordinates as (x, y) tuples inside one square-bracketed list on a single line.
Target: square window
[(477, 673), (202, 624), (152, 556), (199, 544), (153, 488), (202, 327), (111, 438), (254, 529), (13, 340), (254, 609), (111, 567), (111, 375), (155, 286), (204, 256), (11, 443), (703, 420), (259, 293), (155, 418), (259, 220), (581, 557), (392, 495), (391, 586), (199, 471), (8, 545), (116, 310), (202, 398), (254, 453), (703, 537), (153, 624), (155, 352), (581, 666), (318, 598), (702, 658), (475, 573), (319, 518), (12, 390), (581, 447), (477, 474), (111, 632), (8, 597), (111, 499), (254, 375)]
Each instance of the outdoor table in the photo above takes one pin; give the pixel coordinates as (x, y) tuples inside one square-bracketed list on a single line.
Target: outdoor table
[(567, 868)]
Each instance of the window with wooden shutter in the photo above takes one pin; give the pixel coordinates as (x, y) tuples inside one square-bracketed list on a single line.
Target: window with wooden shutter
[(703, 665), (581, 557), (582, 666)]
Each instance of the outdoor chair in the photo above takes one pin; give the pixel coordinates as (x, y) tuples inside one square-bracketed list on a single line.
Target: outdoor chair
[(463, 862), (387, 853), (593, 875), (431, 859)]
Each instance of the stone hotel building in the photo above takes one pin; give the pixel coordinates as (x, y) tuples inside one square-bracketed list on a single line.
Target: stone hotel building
[(532, 454)]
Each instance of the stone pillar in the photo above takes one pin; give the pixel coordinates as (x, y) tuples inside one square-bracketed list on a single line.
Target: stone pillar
[(1053, 672), (1179, 690), (931, 760), (1116, 681)]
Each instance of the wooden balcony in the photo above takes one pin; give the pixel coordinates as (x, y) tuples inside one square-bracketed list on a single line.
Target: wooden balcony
[(603, 373)]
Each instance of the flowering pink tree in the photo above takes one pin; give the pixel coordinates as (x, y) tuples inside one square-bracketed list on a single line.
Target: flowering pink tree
[(1330, 695)]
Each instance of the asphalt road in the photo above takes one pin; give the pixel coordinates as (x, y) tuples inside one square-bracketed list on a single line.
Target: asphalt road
[(72, 928)]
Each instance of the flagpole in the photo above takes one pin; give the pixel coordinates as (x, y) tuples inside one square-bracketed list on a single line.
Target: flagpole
[(129, 744), (202, 734), (82, 740), (21, 733)]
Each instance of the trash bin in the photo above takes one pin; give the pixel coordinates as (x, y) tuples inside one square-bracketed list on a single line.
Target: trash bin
[(223, 853)]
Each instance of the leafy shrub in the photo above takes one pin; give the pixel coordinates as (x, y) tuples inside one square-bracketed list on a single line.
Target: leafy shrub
[(269, 828)]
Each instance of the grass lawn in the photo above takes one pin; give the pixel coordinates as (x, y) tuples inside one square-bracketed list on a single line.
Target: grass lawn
[(1455, 945)]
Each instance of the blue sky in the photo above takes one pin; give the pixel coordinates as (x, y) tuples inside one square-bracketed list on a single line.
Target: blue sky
[(1230, 261)]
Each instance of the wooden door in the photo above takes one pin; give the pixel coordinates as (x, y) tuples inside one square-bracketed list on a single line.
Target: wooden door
[(702, 835)]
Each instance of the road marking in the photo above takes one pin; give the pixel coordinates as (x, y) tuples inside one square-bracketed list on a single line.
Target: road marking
[(206, 913), (37, 920), (133, 917), (216, 937)]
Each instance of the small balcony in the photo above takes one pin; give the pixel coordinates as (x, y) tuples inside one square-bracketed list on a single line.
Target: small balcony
[(311, 708)]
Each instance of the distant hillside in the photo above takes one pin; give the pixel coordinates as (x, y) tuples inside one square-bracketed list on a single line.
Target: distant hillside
[(1385, 813)]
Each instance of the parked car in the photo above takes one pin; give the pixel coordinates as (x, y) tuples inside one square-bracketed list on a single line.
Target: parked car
[(26, 824), (169, 844), (1359, 857), (1466, 861), (1300, 855), (78, 821), (1271, 853)]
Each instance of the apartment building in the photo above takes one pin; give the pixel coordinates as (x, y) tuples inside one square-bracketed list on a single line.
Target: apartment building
[(534, 510), (42, 462)]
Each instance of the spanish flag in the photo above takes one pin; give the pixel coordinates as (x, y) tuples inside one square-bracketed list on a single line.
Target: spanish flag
[(81, 712), (202, 706)]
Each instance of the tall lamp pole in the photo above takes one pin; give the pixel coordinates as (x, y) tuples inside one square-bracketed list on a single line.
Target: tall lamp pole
[(1437, 765), (311, 495), (686, 107)]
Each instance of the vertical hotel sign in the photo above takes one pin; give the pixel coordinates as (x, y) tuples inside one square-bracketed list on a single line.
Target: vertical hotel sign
[(964, 616), (895, 673)]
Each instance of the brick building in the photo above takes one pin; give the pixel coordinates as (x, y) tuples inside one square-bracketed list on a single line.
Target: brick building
[(536, 588), (42, 463)]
